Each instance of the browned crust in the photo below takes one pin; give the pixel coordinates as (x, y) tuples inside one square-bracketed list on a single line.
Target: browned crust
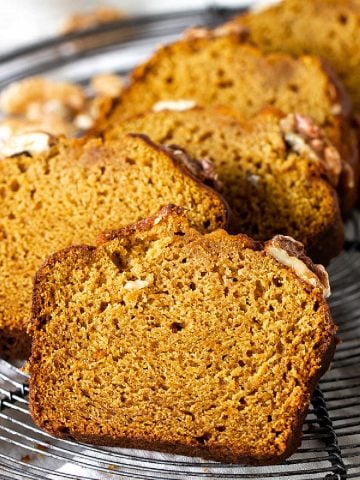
[(337, 90), (141, 226), (348, 148), (324, 244), (325, 352), (226, 210)]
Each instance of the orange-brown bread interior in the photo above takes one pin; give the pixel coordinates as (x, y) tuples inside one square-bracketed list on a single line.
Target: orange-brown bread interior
[(71, 192), (163, 338), (214, 68), (269, 186)]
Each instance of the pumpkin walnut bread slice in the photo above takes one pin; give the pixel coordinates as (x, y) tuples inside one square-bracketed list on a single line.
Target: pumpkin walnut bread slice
[(328, 28), (218, 68), (276, 169), (167, 339), (63, 192)]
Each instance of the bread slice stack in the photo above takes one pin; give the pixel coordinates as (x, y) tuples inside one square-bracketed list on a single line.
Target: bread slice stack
[(66, 191), (278, 171), (165, 338), (173, 334), (218, 67)]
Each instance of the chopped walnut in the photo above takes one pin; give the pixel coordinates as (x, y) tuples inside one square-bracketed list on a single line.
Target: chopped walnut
[(110, 85), (306, 138), (35, 142), (202, 168), (50, 123), (99, 16), (136, 285), (35, 97), (174, 105), (290, 253)]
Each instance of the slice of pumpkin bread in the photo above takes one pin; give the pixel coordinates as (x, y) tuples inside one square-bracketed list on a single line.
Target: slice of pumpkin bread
[(328, 28), (218, 68), (66, 193), (163, 338), (276, 169)]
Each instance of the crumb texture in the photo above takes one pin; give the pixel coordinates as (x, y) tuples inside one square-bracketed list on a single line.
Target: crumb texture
[(74, 190), (271, 185), (328, 28), (168, 339), (221, 69)]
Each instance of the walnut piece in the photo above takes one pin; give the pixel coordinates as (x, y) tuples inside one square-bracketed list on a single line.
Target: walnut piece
[(290, 253), (201, 168), (306, 138), (110, 85), (174, 105), (35, 142), (35, 97), (92, 18)]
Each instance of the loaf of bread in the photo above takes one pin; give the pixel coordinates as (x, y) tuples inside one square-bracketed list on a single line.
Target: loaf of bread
[(219, 68), (276, 169), (163, 338), (63, 192)]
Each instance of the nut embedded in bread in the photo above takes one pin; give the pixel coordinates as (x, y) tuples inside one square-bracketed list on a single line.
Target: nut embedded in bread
[(66, 194), (220, 69), (164, 338), (277, 171)]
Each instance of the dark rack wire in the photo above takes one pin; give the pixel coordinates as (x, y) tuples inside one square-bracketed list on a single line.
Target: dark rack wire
[(331, 435)]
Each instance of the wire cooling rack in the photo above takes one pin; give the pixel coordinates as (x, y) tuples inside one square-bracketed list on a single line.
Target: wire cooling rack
[(331, 436)]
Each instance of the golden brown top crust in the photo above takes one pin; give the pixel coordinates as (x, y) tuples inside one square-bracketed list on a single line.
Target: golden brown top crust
[(284, 249)]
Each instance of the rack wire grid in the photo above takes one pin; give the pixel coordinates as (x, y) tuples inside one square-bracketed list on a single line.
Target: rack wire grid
[(330, 447)]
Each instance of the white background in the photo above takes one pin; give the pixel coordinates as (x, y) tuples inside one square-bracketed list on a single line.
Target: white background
[(25, 21)]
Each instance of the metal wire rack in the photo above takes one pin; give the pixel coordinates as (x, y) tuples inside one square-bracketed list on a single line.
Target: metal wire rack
[(331, 436)]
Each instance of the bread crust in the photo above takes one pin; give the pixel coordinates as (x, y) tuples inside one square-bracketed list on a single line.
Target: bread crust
[(218, 453), (301, 12), (326, 240), (14, 341), (201, 182)]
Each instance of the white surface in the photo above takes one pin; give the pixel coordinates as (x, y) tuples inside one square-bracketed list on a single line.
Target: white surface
[(24, 21)]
